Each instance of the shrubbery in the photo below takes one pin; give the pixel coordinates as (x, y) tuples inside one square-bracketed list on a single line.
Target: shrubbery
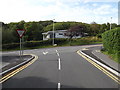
[(10, 46), (36, 43), (44, 43), (58, 41), (111, 42), (61, 41)]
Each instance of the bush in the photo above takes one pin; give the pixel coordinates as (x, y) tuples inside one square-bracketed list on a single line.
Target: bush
[(44, 43), (111, 41), (10, 46), (60, 41), (37, 43), (99, 35), (92, 39)]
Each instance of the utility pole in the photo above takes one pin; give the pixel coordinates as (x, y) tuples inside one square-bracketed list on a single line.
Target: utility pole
[(53, 32)]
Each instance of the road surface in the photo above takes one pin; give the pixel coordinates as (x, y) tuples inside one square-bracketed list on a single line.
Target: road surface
[(59, 67)]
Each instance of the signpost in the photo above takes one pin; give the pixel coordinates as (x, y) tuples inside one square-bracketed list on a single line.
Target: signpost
[(20, 32)]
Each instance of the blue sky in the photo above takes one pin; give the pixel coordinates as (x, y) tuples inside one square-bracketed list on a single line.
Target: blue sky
[(85, 11)]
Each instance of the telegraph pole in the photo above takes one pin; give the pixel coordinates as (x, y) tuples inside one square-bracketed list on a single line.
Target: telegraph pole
[(53, 32)]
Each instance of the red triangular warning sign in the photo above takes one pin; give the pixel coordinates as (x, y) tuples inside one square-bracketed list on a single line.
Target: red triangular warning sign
[(20, 32)]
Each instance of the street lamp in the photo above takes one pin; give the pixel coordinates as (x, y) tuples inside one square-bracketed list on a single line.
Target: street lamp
[(53, 32), (110, 23)]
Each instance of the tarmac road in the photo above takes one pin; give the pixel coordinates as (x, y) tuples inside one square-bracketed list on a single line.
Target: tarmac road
[(60, 67)]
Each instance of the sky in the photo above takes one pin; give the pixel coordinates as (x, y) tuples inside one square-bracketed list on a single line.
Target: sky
[(87, 11)]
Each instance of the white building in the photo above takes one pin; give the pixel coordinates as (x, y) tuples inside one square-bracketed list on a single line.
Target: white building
[(57, 34)]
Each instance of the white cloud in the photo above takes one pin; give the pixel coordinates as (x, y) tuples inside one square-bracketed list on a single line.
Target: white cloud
[(61, 10), (100, 1), (103, 10), (94, 5)]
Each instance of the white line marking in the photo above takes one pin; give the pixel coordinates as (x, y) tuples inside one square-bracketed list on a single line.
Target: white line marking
[(59, 65), (58, 54), (56, 51), (58, 86), (101, 64), (45, 53)]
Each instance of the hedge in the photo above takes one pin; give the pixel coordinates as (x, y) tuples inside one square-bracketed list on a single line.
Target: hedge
[(58, 41), (45, 42), (35, 43), (10, 46), (111, 41)]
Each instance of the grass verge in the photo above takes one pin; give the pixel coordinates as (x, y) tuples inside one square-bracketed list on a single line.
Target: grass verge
[(111, 56)]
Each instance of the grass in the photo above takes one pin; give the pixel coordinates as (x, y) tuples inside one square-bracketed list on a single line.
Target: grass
[(111, 56)]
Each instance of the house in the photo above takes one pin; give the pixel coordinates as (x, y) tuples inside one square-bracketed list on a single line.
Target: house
[(57, 34)]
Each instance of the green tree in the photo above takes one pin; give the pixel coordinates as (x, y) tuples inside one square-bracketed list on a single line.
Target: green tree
[(45, 23), (108, 26), (94, 29), (103, 28), (20, 24), (113, 25), (33, 31), (75, 31)]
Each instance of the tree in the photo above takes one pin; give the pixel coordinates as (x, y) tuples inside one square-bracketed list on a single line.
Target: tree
[(75, 31), (33, 31), (45, 23), (94, 29), (60, 26), (103, 28), (108, 26), (20, 24), (113, 25)]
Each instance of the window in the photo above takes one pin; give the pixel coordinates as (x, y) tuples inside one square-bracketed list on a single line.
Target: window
[(60, 33)]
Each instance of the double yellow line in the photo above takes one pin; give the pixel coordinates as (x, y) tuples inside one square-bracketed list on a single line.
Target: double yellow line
[(115, 78), (9, 75)]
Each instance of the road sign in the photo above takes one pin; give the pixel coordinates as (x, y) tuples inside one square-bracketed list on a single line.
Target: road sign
[(20, 32)]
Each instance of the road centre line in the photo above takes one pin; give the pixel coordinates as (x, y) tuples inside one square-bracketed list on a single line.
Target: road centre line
[(58, 86), (59, 64), (56, 51), (59, 67), (58, 54)]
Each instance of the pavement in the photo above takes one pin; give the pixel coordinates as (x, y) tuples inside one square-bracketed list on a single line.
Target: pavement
[(95, 53), (10, 60), (61, 67)]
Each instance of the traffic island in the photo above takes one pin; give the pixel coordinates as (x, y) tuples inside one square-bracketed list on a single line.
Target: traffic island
[(18, 65), (14, 60)]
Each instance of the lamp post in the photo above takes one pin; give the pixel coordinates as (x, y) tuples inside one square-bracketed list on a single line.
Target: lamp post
[(110, 23), (53, 32)]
